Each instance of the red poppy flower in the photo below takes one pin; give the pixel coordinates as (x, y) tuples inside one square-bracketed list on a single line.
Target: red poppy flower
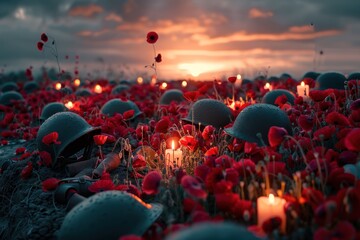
[(151, 183), (44, 37), (212, 152), (313, 197), (202, 171), (100, 139), (50, 184), (27, 170), (51, 138), (232, 79), (152, 37), (336, 118), (245, 167), (162, 125), (306, 122), (190, 205), (20, 150), (139, 161), (131, 237), (25, 155), (281, 100), (128, 114), (325, 132), (193, 187), (274, 168), (45, 158), (352, 140), (225, 201), (158, 58), (271, 224), (214, 176), (208, 132), (276, 135), (224, 161), (223, 186), (40, 46), (232, 176), (355, 105), (189, 141), (343, 230), (191, 96), (242, 209), (188, 128), (101, 186)]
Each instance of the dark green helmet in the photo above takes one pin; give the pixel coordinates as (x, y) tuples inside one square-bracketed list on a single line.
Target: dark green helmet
[(109, 215), (74, 134), (255, 121)]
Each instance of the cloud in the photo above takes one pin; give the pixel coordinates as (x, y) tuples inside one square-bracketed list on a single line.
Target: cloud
[(258, 13), (88, 11), (113, 17), (301, 29), (243, 36)]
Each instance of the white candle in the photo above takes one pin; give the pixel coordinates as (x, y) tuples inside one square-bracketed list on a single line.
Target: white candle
[(269, 207), (173, 158), (303, 90)]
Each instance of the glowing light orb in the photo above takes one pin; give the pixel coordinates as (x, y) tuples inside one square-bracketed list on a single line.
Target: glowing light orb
[(98, 89)]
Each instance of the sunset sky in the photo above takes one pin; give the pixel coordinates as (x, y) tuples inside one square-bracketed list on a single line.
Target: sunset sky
[(205, 39)]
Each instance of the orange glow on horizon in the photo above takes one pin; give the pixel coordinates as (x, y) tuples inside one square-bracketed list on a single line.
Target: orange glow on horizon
[(197, 68)]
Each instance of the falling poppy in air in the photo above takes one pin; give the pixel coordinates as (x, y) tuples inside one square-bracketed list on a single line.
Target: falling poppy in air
[(158, 58), (40, 46), (44, 37), (152, 37)]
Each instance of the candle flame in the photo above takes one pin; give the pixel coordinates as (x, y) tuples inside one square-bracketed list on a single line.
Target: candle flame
[(163, 85), (172, 145), (153, 80), (302, 84), (77, 82), (238, 77), (69, 105), (140, 80), (58, 86), (267, 86), (271, 199), (98, 88), (184, 83)]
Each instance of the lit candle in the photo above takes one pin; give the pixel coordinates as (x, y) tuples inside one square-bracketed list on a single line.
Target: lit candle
[(98, 89), (163, 85), (184, 83), (268, 86), (303, 89), (153, 80), (77, 82), (58, 86), (69, 105), (269, 207), (140, 80), (173, 158)]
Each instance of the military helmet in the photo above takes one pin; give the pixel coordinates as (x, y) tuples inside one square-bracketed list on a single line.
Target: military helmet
[(52, 108), (255, 121), (171, 95), (328, 80), (74, 134), (271, 96), (8, 97), (109, 215), (209, 112)]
